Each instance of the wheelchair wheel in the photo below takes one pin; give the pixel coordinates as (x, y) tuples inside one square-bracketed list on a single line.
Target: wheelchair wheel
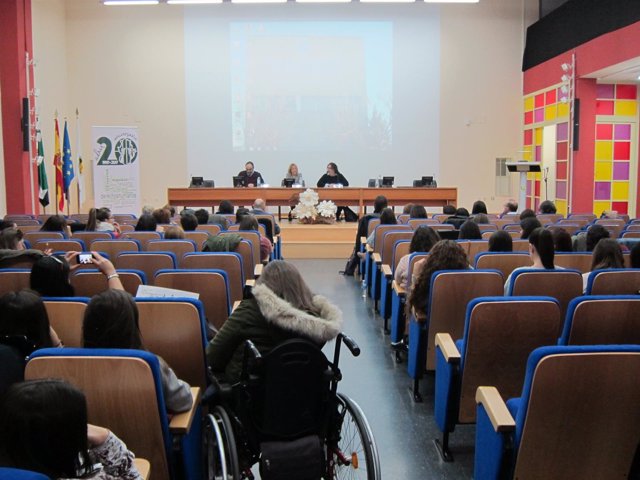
[(220, 447), (355, 455)]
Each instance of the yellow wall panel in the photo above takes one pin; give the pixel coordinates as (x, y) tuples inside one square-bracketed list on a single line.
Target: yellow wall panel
[(550, 112), (599, 207), (538, 134), (528, 104), (625, 108), (603, 171), (561, 207), (604, 150), (620, 191), (563, 109)]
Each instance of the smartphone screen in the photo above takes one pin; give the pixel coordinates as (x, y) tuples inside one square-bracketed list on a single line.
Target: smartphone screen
[(85, 258)]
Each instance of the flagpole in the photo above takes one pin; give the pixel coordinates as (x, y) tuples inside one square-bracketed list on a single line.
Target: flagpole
[(55, 167), (65, 194), (33, 200), (78, 153)]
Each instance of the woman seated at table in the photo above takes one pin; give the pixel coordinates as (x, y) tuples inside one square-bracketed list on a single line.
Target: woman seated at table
[(334, 177)]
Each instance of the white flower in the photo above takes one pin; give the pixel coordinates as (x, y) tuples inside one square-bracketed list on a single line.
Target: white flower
[(309, 197), (327, 209)]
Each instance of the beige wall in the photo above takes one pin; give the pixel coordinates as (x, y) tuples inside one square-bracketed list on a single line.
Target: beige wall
[(140, 82)]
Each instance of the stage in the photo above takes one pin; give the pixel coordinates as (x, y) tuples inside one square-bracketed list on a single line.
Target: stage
[(317, 241)]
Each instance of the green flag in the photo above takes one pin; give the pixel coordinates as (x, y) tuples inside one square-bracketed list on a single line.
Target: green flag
[(42, 173)]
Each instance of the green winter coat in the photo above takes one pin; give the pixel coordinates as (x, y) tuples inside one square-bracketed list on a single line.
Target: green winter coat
[(268, 320)]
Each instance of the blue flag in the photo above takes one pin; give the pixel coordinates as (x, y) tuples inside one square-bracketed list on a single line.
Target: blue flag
[(67, 164)]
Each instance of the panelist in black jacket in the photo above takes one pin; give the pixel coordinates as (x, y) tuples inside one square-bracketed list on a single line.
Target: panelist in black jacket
[(250, 178), (332, 177)]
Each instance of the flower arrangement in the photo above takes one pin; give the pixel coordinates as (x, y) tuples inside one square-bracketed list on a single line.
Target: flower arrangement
[(310, 210)]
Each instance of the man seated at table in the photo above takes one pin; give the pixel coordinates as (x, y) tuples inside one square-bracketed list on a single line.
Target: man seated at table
[(250, 178)]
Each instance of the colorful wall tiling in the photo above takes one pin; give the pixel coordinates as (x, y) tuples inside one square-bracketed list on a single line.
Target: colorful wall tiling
[(540, 110), (614, 145)]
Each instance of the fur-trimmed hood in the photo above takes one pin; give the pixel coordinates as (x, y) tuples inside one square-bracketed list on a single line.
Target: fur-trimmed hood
[(278, 311)]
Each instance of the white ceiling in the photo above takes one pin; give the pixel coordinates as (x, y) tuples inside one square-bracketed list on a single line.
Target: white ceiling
[(625, 72)]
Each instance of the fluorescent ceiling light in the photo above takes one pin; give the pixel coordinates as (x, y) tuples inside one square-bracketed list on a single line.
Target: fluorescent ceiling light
[(323, 1), (192, 2), (387, 1), (258, 1), (130, 2)]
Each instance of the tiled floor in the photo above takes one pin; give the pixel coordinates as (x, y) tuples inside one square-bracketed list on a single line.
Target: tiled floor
[(404, 430)]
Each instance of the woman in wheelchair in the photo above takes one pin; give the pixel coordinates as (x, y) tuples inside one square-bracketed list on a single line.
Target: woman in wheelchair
[(283, 408), (282, 308)]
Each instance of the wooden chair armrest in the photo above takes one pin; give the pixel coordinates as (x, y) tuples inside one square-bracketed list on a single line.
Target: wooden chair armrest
[(377, 258), (401, 292), (500, 417), (181, 422), (368, 248), (449, 350), (143, 466), (250, 283), (386, 271), (257, 271), (363, 240), (235, 305)]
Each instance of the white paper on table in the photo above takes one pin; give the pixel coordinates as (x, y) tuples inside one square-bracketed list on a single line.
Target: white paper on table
[(161, 292)]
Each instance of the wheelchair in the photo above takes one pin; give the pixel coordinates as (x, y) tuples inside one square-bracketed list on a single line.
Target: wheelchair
[(286, 415)]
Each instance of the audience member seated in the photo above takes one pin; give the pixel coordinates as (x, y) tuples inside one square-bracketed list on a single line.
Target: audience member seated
[(406, 210), (510, 207), (189, 222), (607, 254), (635, 256), (50, 274), (44, 429), (424, 238), (469, 230), (11, 239), (418, 211), (174, 233), (56, 223), (241, 212), (282, 307), (7, 224), (547, 207), (562, 240), (202, 215), (225, 208), (445, 255), (586, 242), (379, 204), (24, 327), (500, 241), (101, 220), (387, 217), (219, 220), (528, 225), (249, 222), (541, 252), (449, 210), (260, 208), (222, 243), (527, 213), (147, 210), (146, 223), (171, 208), (481, 219), (479, 207), (162, 216), (461, 216), (111, 321)]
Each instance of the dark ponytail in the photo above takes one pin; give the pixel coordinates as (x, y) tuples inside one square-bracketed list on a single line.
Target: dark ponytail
[(542, 240), (92, 221)]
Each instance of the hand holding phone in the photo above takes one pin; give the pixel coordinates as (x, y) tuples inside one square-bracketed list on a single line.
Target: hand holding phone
[(84, 258)]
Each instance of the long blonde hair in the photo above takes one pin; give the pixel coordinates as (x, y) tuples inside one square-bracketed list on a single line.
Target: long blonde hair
[(284, 279), (289, 170)]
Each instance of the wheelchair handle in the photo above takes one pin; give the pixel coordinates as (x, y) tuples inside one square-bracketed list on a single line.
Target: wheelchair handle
[(351, 344)]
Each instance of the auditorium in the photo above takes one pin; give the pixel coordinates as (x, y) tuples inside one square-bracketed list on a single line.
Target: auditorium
[(317, 239)]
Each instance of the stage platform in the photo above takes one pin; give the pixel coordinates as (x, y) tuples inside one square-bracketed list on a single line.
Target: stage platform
[(317, 241)]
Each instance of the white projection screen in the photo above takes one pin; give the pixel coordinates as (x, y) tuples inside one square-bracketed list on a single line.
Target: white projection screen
[(357, 85)]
